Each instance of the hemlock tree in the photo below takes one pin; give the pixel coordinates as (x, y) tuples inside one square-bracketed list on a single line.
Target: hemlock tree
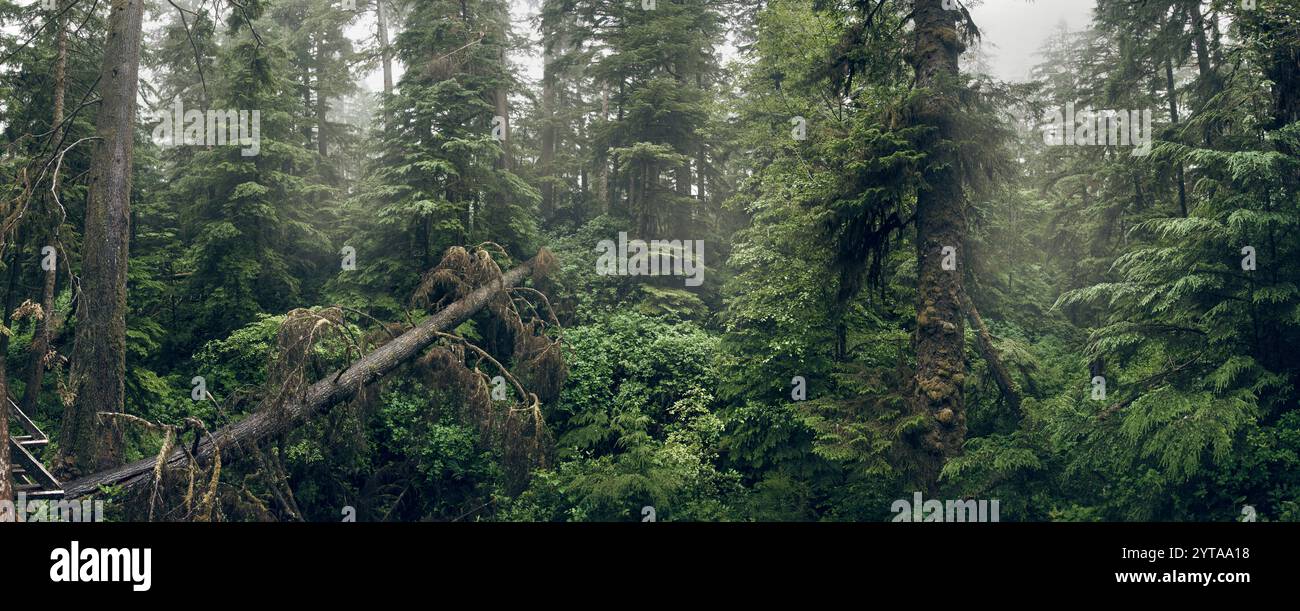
[(250, 214), (440, 176), (99, 354)]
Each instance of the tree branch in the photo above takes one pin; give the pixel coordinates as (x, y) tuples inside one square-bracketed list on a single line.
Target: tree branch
[(329, 391)]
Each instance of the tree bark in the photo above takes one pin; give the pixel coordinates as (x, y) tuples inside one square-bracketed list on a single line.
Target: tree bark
[(941, 223), (6, 465), (322, 146), (700, 153), (11, 291), (40, 342), (547, 165), (503, 111), (1173, 117), (984, 340), (6, 468), (603, 190), (99, 347), (41, 339), (334, 388), (386, 58), (1200, 41)]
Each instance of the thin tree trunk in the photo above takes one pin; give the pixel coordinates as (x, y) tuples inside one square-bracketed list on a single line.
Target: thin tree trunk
[(1173, 116), (1201, 41), (603, 186), (386, 58), (41, 339), (99, 349), (11, 291), (984, 340), (1216, 36), (503, 111), (941, 224), (322, 147), (548, 133), (40, 344), (700, 153), (60, 78), (6, 467)]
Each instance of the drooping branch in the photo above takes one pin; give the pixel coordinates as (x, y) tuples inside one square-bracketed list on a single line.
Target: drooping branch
[(990, 354), (1144, 386), (331, 390)]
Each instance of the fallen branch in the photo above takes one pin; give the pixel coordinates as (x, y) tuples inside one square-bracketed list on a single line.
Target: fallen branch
[(984, 340), (331, 390)]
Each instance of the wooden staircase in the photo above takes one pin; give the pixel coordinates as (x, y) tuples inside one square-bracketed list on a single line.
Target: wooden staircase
[(30, 475)]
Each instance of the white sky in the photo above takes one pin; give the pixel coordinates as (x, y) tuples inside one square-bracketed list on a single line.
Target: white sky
[(1014, 30)]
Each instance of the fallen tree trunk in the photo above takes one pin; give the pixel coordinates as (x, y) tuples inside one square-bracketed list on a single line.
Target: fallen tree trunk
[(984, 340), (333, 389)]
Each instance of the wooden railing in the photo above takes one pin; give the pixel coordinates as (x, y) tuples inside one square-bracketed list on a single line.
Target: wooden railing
[(30, 475)]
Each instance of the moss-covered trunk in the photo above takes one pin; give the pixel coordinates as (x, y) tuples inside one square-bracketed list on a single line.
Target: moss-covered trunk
[(99, 350), (940, 225)]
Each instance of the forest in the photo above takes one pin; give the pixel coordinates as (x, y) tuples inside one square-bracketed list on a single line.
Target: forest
[(649, 260)]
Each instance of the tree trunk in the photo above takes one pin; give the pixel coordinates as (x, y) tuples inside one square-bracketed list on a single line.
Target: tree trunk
[(41, 339), (386, 58), (603, 187), (1173, 117), (11, 291), (1201, 42), (40, 343), (547, 165), (700, 153), (99, 348), (6, 467), (940, 224), (322, 147), (332, 389), (503, 111), (984, 340)]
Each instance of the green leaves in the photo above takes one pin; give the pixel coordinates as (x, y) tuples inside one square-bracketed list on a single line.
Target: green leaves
[(636, 425), (1180, 431)]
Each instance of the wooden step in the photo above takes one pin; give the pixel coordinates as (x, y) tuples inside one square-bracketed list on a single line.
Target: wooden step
[(31, 476), (35, 492), (51, 495), (32, 467), (26, 423)]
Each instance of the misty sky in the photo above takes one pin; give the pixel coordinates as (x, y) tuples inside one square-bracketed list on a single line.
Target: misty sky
[(1015, 29), (1013, 32)]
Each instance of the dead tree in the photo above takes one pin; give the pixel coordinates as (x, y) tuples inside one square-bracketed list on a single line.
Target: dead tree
[(335, 388)]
